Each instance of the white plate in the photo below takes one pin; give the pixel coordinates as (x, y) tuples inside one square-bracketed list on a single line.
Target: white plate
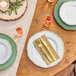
[(55, 41), (67, 12), (5, 51)]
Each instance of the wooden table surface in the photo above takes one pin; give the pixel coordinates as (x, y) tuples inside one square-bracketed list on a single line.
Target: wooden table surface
[(26, 67)]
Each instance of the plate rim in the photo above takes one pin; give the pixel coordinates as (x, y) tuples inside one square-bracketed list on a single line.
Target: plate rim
[(58, 19), (14, 51), (8, 57), (60, 13), (47, 66)]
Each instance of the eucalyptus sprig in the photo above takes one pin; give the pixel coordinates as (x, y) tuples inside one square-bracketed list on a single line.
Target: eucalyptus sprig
[(13, 7)]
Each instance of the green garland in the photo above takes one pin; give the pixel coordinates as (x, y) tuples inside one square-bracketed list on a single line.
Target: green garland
[(13, 7)]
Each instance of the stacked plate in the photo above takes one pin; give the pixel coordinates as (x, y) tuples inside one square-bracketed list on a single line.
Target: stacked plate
[(54, 40), (8, 51), (65, 14)]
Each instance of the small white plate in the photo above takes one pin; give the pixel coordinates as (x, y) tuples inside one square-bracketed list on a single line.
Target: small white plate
[(55, 41), (5, 51), (67, 12)]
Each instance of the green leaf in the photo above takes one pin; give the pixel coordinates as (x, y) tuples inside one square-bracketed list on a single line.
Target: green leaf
[(13, 7), (15, 11)]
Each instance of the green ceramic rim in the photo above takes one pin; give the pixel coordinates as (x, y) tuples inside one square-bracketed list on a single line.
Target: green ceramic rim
[(14, 52), (59, 21)]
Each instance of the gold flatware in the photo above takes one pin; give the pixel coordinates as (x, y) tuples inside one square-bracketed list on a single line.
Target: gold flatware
[(46, 50)]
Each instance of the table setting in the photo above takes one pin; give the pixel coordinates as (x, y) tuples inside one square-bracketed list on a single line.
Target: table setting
[(65, 20), (42, 30), (13, 34), (51, 18)]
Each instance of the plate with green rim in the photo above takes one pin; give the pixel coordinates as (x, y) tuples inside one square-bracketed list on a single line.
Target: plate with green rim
[(14, 51), (57, 17)]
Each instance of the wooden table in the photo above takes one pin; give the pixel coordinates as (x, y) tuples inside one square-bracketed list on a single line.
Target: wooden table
[(23, 72), (26, 67)]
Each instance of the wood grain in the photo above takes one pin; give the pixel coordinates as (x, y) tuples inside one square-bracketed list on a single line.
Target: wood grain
[(44, 9)]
